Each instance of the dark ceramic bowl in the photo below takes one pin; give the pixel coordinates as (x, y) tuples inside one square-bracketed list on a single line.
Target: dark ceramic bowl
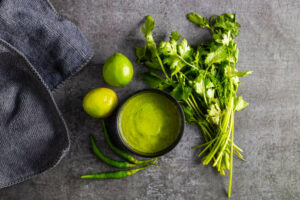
[(116, 133)]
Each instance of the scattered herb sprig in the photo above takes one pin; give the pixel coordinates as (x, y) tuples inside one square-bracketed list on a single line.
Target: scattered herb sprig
[(204, 79)]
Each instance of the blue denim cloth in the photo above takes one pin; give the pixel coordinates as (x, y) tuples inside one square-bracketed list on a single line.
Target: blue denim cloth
[(38, 50)]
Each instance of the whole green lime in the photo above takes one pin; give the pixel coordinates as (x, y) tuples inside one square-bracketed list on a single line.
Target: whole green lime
[(117, 70), (100, 102)]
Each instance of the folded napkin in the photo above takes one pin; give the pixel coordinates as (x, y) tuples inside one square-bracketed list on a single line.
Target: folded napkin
[(39, 49)]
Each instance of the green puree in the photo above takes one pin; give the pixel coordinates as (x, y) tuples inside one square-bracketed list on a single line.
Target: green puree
[(149, 122)]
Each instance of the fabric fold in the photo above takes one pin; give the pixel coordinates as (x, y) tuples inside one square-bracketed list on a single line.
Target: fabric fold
[(38, 50), (53, 45)]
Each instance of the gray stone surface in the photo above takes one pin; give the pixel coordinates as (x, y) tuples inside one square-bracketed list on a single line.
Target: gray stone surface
[(268, 130)]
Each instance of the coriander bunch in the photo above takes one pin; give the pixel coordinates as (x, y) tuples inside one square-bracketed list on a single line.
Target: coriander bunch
[(204, 79)]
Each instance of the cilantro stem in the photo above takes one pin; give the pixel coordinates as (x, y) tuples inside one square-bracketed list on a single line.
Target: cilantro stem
[(185, 62), (231, 160), (194, 107), (222, 130), (227, 139), (189, 104), (238, 155), (202, 152), (201, 145), (183, 75), (161, 65), (236, 147), (192, 96), (206, 132), (197, 110), (204, 88)]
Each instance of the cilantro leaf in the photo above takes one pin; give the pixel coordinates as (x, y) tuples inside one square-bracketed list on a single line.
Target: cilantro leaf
[(197, 19), (168, 48), (216, 56), (181, 93), (189, 114), (240, 104), (184, 50), (175, 64), (214, 114), (198, 85), (227, 22), (149, 26), (175, 36), (140, 53), (147, 31), (242, 74), (152, 79)]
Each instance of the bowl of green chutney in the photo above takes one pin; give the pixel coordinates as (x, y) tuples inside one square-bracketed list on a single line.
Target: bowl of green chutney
[(150, 123)]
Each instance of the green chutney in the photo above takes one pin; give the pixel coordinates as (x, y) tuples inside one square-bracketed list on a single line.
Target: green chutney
[(149, 122)]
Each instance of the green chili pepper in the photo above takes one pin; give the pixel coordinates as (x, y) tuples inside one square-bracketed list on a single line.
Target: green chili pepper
[(123, 154), (107, 160), (114, 175)]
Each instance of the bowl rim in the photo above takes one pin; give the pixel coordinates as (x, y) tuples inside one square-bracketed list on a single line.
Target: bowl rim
[(169, 148)]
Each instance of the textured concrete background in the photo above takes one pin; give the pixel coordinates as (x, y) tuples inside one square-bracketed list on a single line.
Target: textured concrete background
[(268, 130)]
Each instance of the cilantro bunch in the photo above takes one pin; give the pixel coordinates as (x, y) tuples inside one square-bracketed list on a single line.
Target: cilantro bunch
[(204, 79)]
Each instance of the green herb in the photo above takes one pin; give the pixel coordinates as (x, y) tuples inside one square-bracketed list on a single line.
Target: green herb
[(204, 79)]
